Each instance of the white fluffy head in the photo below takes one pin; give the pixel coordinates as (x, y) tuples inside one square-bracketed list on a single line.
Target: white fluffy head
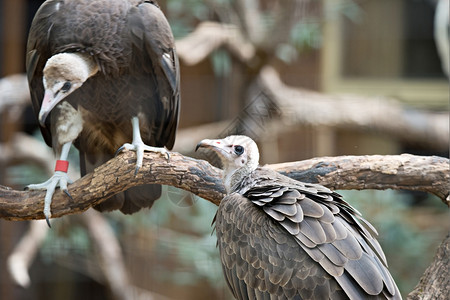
[(73, 67), (63, 74), (239, 155)]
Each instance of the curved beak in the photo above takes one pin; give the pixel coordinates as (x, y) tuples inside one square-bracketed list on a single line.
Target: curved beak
[(220, 147), (211, 144), (48, 104)]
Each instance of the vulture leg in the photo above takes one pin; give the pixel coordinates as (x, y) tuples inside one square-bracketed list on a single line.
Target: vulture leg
[(60, 178), (138, 145)]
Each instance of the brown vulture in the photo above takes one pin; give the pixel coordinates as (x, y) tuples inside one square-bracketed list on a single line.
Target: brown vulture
[(102, 73), (284, 239)]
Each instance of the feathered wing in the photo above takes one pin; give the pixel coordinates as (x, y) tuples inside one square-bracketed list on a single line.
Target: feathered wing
[(139, 75), (38, 52), (291, 239), (154, 53), (261, 261), (156, 85)]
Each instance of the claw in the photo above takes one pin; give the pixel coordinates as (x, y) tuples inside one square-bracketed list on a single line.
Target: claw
[(139, 147), (119, 150), (136, 170), (66, 191), (48, 222), (58, 179), (168, 156)]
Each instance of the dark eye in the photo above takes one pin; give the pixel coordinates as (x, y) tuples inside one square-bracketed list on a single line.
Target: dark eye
[(238, 150), (66, 87)]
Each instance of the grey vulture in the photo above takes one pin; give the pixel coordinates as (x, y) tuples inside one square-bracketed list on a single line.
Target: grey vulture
[(103, 73), (284, 239)]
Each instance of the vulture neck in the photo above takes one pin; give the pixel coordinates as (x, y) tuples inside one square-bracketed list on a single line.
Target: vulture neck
[(233, 177)]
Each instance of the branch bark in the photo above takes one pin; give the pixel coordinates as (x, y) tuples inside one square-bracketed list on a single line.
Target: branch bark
[(430, 174), (379, 172), (435, 282)]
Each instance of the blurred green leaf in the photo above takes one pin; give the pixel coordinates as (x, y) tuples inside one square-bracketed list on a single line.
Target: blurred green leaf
[(286, 53), (221, 62)]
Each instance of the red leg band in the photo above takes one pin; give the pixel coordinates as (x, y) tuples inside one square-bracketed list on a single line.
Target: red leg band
[(62, 165)]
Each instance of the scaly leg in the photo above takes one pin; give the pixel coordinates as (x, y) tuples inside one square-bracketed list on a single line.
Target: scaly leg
[(138, 145), (60, 178)]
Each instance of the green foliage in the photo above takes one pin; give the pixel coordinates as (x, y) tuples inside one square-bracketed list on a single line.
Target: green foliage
[(184, 14), (306, 34), (221, 62), (348, 8), (286, 52)]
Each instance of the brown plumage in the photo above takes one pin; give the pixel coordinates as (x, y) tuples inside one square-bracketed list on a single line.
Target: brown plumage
[(118, 62), (283, 239)]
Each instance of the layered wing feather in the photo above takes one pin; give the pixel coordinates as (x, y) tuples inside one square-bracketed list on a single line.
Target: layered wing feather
[(132, 43), (38, 52), (289, 239), (153, 49)]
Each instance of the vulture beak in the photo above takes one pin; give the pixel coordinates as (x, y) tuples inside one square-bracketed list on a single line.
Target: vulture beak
[(221, 147), (49, 102), (211, 144)]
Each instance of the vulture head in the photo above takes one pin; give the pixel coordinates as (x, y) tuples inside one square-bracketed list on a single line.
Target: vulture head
[(63, 74), (239, 155)]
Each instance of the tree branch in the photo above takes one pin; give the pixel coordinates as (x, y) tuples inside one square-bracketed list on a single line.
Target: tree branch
[(209, 36), (110, 256), (379, 172), (435, 282), (385, 115), (200, 178), (25, 251)]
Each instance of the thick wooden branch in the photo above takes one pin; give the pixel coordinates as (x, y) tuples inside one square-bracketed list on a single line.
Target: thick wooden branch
[(430, 174), (113, 177), (379, 172), (435, 282)]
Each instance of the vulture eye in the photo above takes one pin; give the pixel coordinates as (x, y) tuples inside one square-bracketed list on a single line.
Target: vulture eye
[(66, 87), (238, 150)]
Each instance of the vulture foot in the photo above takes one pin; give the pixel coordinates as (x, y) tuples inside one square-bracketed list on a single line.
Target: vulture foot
[(58, 179), (140, 148)]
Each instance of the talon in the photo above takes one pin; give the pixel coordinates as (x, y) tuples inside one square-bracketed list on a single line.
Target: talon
[(66, 191), (168, 156), (60, 179), (119, 150), (48, 221), (136, 170)]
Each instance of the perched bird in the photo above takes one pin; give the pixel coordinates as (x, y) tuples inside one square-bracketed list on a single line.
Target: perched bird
[(283, 239), (102, 73)]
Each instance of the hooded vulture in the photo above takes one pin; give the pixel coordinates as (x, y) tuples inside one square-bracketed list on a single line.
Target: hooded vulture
[(283, 239), (103, 73)]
